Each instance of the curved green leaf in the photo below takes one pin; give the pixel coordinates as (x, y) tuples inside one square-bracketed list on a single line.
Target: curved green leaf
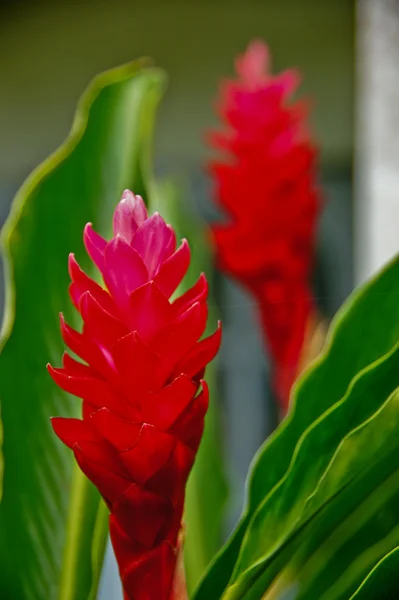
[(382, 583), (282, 508), (364, 472), (322, 386), (48, 514), (333, 567), (285, 509), (205, 496)]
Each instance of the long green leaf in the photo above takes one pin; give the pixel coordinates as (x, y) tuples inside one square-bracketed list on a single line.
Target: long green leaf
[(322, 386), (332, 566), (48, 515), (206, 496), (282, 508), (382, 583), (263, 556)]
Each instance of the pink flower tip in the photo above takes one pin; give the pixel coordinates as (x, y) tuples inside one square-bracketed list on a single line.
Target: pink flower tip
[(254, 64), (130, 213)]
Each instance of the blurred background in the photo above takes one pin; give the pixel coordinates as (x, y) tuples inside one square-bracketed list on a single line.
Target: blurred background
[(49, 52)]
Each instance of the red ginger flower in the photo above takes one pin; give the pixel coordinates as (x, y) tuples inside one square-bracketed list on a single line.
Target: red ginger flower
[(144, 399), (266, 185)]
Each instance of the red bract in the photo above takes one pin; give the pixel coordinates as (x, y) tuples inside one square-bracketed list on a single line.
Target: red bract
[(141, 382), (265, 183)]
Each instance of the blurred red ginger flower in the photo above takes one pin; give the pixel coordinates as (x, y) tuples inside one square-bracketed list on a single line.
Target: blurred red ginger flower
[(265, 183), (144, 398)]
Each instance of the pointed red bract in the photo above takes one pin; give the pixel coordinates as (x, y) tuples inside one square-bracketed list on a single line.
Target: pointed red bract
[(266, 185), (144, 402)]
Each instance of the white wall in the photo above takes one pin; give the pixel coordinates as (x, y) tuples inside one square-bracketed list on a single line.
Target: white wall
[(377, 137)]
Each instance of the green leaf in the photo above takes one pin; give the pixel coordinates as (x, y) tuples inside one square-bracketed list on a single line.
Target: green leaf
[(206, 491), (206, 496), (334, 566), (382, 582), (355, 341), (307, 506), (98, 547), (364, 478), (50, 513)]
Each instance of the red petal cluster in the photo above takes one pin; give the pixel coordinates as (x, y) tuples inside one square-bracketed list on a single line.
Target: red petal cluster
[(265, 182), (144, 399)]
